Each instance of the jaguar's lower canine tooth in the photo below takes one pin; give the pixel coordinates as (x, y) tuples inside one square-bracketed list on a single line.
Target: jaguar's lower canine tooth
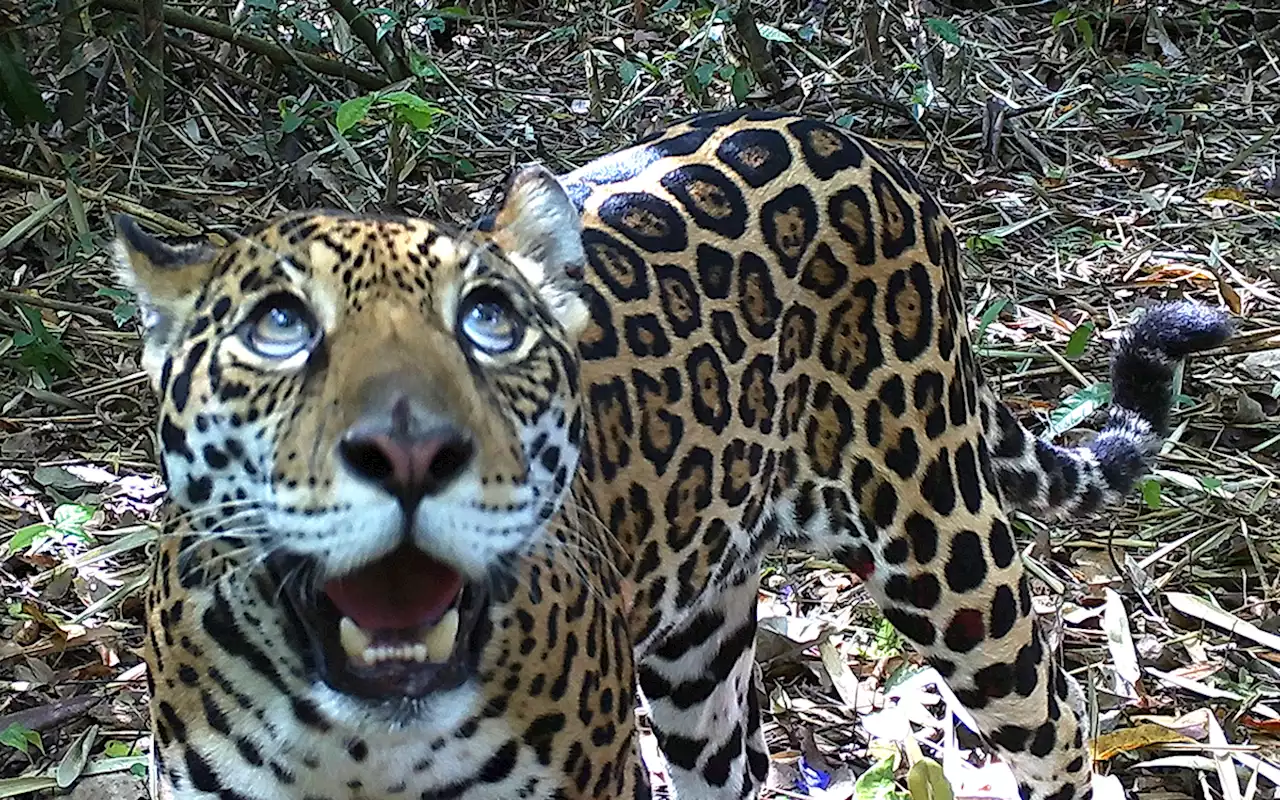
[(439, 640), (355, 642), (435, 645)]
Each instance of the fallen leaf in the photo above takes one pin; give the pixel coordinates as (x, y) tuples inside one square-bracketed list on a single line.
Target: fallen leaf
[(1115, 623), (877, 783), (1194, 724), (927, 781), (1265, 363), (73, 763), (1248, 411), (1227, 777), (58, 478), (1271, 726), (841, 676), (1229, 294), (1110, 745), (1193, 606), (1229, 194)]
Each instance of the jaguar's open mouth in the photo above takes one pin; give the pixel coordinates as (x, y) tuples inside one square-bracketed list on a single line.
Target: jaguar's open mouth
[(403, 626)]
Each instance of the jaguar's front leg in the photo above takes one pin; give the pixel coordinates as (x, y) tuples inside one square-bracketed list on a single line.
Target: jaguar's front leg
[(697, 681)]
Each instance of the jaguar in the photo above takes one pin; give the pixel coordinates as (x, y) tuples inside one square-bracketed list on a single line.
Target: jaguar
[(447, 502)]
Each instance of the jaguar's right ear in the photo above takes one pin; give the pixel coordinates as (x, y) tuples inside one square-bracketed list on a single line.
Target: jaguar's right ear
[(166, 277), (540, 230)]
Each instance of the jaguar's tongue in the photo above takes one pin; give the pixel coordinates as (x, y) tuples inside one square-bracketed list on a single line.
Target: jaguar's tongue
[(399, 607)]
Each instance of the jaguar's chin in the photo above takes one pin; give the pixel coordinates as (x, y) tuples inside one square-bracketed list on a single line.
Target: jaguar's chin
[(402, 627)]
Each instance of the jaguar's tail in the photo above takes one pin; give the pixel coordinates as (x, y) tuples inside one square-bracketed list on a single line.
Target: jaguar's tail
[(1054, 482)]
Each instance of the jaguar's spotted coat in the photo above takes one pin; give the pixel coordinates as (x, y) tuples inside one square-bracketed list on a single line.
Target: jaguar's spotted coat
[(745, 332)]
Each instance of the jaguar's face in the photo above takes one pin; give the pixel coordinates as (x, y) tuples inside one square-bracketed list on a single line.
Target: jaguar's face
[(379, 410)]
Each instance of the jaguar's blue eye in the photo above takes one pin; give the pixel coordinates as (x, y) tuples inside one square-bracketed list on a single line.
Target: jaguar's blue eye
[(281, 326), (489, 321)]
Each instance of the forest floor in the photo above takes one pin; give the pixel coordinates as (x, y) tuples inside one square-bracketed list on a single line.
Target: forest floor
[(1093, 160)]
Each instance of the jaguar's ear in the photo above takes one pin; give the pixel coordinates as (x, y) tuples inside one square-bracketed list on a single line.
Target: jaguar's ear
[(166, 277), (540, 231)]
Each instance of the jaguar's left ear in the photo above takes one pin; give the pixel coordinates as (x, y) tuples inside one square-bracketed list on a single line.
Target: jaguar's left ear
[(167, 278), (540, 231)]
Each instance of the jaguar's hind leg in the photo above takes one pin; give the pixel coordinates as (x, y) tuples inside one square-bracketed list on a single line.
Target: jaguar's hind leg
[(946, 573), (697, 681)]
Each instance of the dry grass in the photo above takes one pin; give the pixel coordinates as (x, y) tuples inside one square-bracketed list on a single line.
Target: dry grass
[(1090, 166)]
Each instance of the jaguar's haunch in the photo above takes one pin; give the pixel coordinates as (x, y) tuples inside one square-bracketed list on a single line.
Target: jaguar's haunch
[(440, 500)]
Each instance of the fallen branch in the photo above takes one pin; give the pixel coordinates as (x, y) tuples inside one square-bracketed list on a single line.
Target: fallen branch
[(115, 201), (258, 46), (56, 305)]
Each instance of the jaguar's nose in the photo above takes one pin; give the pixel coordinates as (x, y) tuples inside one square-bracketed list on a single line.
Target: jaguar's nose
[(410, 458)]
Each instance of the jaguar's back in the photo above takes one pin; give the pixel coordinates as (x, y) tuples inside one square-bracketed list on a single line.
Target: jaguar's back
[(747, 331), (778, 354)]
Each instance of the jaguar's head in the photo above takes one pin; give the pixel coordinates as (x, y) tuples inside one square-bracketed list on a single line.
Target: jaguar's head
[(381, 411)]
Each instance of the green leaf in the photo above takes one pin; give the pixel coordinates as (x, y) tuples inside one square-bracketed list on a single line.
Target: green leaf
[(412, 109), (743, 80), (1060, 16), (408, 100), (21, 738), (25, 537), (290, 121), (416, 118), (1079, 340), (877, 783), (1077, 408), (125, 306), (390, 13), (988, 317), (69, 520), (119, 295), (772, 34), (1085, 29), (667, 5), (19, 95), (269, 5), (422, 66), (70, 516), (34, 320), (703, 74), (1210, 483), (1151, 493), (905, 671), (927, 781), (352, 112), (887, 641), (308, 31), (627, 72), (944, 29), (114, 748), (123, 312)]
